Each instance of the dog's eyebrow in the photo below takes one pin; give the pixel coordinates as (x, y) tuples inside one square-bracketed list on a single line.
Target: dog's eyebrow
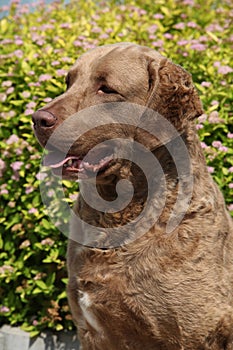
[(101, 76)]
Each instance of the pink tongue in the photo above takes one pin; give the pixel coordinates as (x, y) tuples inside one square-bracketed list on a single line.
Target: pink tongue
[(57, 165)]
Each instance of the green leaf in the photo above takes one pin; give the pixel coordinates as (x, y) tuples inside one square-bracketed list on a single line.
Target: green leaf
[(34, 333), (41, 285), (59, 327), (50, 279), (63, 295)]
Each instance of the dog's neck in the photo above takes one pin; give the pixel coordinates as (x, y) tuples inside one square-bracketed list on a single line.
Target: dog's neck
[(161, 200)]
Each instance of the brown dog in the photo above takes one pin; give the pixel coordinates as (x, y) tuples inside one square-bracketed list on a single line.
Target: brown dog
[(157, 291)]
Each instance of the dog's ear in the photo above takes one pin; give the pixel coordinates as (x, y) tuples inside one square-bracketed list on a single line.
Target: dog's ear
[(172, 93)]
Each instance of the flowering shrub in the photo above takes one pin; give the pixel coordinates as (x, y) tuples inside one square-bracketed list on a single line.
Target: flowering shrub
[(37, 48)]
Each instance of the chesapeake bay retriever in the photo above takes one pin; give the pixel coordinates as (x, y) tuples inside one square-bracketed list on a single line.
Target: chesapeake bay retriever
[(158, 291)]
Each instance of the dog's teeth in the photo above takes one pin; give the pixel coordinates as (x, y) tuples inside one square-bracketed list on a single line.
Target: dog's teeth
[(96, 167), (86, 165)]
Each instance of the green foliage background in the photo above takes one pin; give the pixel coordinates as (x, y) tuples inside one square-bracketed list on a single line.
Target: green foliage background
[(37, 48)]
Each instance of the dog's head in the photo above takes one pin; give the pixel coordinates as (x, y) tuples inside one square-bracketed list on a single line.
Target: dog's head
[(106, 76)]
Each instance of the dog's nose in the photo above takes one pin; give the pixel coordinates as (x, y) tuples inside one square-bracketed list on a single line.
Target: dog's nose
[(43, 119)]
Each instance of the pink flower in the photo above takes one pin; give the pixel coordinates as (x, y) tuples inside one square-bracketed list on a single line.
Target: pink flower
[(5, 8), (6, 83), (223, 148), (168, 36), (210, 169), (18, 53), (55, 63), (214, 118), (24, 9), (206, 84), (104, 36), (199, 126), (4, 309), (225, 70), (11, 204), (45, 77), (198, 47), (4, 191), (230, 169), (152, 29), (204, 145), (73, 196), (216, 144), (158, 43), (230, 135), (61, 72), (41, 176), (16, 165), (3, 97), (180, 25), (192, 25), (25, 244), (32, 211), (29, 111), (18, 151), (26, 94), (47, 99), (19, 42), (142, 12), (47, 241), (96, 30), (12, 139), (202, 118), (40, 42), (214, 28), (66, 59), (6, 268), (188, 2), (230, 207), (29, 189), (51, 193), (31, 104), (182, 42), (77, 43), (158, 16), (230, 185), (217, 64), (203, 38), (65, 25), (10, 90)]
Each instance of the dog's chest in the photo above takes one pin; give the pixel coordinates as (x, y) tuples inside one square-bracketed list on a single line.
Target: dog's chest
[(87, 309), (104, 293)]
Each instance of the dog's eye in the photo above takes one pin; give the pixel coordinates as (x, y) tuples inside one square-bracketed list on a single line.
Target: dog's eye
[(106, 90)]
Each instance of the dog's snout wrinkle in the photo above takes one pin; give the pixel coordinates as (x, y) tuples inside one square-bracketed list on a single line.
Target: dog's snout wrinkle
[(44, 119)]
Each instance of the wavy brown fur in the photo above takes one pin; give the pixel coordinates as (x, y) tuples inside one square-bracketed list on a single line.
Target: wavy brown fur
[(159, 292)]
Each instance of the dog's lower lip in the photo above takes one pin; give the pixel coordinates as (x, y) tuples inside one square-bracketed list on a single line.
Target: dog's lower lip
[(73, 166)]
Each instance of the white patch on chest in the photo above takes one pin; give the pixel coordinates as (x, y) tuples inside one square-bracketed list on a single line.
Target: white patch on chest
[(85, 304)]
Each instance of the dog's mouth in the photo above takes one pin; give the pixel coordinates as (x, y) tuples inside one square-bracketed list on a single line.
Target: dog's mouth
[(71, 166)]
